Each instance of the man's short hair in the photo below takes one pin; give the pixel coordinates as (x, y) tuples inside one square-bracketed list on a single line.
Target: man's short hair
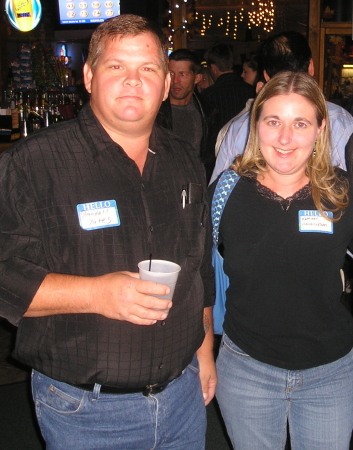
[(220, 55), (123, 26), (285, 51), (183, 54)]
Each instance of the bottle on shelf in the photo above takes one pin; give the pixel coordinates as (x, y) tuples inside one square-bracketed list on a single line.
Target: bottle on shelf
[(31, 109), (34, 122), (57, 115)]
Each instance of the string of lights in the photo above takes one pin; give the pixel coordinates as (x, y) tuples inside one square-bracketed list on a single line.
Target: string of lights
[(255, 13)]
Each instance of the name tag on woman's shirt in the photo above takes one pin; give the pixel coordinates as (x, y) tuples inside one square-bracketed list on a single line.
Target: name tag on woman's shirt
[(95, 215), (311, 221)]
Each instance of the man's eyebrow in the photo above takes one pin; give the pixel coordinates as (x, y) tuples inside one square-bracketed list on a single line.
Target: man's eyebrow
[(122, 61)]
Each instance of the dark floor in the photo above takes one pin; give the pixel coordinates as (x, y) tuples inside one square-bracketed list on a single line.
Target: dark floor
[(10, 370)]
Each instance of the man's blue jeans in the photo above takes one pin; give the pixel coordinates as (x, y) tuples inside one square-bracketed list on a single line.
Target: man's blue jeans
[(257, 399), (71, 418)]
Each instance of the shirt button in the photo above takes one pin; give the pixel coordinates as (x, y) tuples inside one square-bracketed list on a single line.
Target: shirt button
[(163, 323), (151, 229), (160, 366)]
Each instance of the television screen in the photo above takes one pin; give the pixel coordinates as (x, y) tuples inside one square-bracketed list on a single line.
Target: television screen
[(73, 12)]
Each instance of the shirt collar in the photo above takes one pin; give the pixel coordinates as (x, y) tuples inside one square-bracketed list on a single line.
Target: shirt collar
[(98, 140)]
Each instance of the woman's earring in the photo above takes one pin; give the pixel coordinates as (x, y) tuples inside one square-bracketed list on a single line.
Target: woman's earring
[(314, 150)]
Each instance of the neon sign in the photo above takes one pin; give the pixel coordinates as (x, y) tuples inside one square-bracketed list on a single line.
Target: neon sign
[(23, 14)]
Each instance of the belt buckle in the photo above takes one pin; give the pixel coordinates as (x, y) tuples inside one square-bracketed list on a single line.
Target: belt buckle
[(149, 389), (153, 389)]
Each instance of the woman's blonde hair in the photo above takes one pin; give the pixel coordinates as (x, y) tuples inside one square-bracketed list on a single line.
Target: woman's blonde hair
[(329, 191)]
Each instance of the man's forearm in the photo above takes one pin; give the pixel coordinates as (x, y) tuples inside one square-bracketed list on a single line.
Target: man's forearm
[(117, 295), (62, 294)]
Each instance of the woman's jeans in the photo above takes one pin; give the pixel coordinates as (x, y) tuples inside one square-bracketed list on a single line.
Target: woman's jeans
[(257, 400), (71, 418)]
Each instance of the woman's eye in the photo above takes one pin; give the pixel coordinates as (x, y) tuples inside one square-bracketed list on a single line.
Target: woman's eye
[(273, 123), (301, 125)]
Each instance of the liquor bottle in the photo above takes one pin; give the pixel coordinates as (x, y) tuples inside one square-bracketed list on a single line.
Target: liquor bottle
[(34, 122), (20, 106), (35, 102), (23, 129), (50, 115), (57, 115), (44, 110), (21, 115)]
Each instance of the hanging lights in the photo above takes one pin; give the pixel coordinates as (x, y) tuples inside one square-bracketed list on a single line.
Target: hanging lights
[(202, 17)]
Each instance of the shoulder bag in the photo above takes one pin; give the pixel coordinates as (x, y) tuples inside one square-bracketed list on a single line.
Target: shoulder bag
[(224, 187)]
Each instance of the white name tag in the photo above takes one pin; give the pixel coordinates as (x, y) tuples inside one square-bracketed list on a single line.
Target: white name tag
[(311, 221), (95, 215)]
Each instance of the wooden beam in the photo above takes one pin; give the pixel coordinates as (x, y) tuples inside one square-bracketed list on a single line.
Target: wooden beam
[(314, 37)]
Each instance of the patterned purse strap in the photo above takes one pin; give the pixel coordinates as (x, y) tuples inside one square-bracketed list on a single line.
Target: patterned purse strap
[(225, 185)]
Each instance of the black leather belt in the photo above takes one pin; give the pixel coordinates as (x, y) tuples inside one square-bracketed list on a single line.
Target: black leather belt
[(150, 389)]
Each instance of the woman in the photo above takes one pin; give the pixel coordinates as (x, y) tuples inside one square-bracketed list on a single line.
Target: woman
[(249, 74), (206, 80), (286, 352)]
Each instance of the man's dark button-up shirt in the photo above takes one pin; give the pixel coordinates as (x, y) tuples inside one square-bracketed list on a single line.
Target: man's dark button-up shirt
[(228, 95), (43, 179)]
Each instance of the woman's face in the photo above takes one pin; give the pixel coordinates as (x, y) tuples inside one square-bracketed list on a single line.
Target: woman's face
[(203, 84), (287, 131), (248, 74)]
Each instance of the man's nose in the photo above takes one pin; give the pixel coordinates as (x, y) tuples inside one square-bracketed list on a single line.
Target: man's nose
[(175, 78), (133, 78)]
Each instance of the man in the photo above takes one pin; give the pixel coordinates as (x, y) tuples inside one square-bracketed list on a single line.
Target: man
[(81, 204), (229, 92), (189, 116), (286, 51)]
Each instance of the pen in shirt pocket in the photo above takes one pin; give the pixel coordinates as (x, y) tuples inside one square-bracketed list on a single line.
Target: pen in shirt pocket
[(183, 196)]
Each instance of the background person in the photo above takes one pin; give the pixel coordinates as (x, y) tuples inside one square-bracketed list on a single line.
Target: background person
[(286, 51), (206, 80), (81, 204), (250, 76), (187, 114), (249, 73), (229, 93), (286, 353)]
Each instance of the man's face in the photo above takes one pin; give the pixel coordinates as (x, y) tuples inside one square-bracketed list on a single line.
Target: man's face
[(183, 81), (128, 84)]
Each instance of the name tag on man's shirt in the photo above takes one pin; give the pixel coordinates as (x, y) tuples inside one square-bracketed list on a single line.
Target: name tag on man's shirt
[(95, 215), (311, 221)]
